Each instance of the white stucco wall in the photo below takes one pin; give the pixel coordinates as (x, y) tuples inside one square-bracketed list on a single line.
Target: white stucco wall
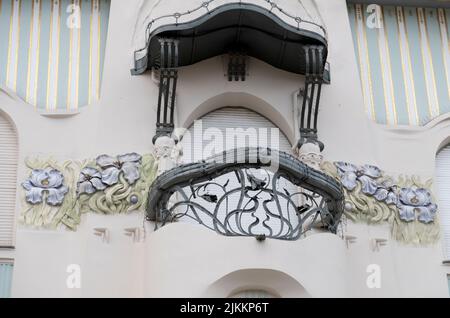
[(124, 120)]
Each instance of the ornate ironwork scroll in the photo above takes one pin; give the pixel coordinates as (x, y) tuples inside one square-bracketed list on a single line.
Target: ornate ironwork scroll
[(246, 197)]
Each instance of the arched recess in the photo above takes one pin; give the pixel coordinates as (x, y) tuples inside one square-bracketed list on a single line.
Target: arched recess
[(273, 282), (443, 189), (8, 180), (241, 99), (261, 133)]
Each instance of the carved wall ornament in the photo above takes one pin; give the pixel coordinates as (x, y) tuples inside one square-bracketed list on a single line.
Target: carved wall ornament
[(115, 185), (47, 182), (167, 152), (374, 197), (128, 164), (311, 155), (58, 195), (48, 196), (416, 202), (92, 180)]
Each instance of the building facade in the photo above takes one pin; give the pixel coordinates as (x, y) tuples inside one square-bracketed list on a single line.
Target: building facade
[(289, 148)]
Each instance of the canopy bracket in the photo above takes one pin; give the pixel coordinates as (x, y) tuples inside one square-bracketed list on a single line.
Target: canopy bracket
[(237, 66), (314, 79), (168, 78)]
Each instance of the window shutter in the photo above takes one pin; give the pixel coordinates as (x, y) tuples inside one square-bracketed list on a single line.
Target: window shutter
[(8, 181), (233, 117), (6, 272), (443, 187)]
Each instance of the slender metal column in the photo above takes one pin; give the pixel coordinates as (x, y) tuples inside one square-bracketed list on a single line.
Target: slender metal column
[(167, 88), (314, 79)]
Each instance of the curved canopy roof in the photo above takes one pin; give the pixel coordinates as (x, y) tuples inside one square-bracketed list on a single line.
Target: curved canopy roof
[(274, 33)]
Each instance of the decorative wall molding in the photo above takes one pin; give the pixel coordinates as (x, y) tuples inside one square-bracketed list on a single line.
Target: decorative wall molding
[(57, 194), (372, 197)]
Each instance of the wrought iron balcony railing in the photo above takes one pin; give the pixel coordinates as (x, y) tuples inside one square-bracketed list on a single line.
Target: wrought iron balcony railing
[(247, 196)]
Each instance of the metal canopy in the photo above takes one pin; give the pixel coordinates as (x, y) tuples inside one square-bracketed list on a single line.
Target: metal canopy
[(248, 28)]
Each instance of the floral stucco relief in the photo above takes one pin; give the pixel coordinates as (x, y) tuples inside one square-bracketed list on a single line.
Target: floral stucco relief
[(57, 195), (406, 203)]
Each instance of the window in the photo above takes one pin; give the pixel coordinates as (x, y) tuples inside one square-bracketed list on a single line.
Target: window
[(443, 192), (225, 120), (6, 272), (448, 278), (8, 181)]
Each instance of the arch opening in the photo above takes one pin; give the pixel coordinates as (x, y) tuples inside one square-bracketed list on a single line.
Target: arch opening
[(242, 100), (266, 282), (8, 180), (230, 128), (442, 176)]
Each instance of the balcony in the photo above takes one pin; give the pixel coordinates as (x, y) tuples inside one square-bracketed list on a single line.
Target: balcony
[(259, 193)]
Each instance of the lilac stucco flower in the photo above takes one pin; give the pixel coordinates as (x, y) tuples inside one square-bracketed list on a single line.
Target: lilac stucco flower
[(43, 181)]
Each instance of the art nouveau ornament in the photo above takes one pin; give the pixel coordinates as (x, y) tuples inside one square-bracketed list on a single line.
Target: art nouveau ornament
[(166, 153), (115, 184), (108, 185), (45, 181), (412, 203), (415, 202), (404, 202), (127, 164), (90, 181), (310, 154), (350, 175)]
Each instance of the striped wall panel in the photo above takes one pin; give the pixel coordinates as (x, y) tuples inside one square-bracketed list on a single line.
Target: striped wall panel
[(403, 55), (52, 51)]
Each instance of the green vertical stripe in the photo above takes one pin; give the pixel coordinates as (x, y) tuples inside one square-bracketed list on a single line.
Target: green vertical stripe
[(44, 48), (352, 17), (391, 24), (415, 51), (434, 35), (83, 97), (375, 68), (5, 22), (24, 48), (447, 15), (64, 56), (104, 13)]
